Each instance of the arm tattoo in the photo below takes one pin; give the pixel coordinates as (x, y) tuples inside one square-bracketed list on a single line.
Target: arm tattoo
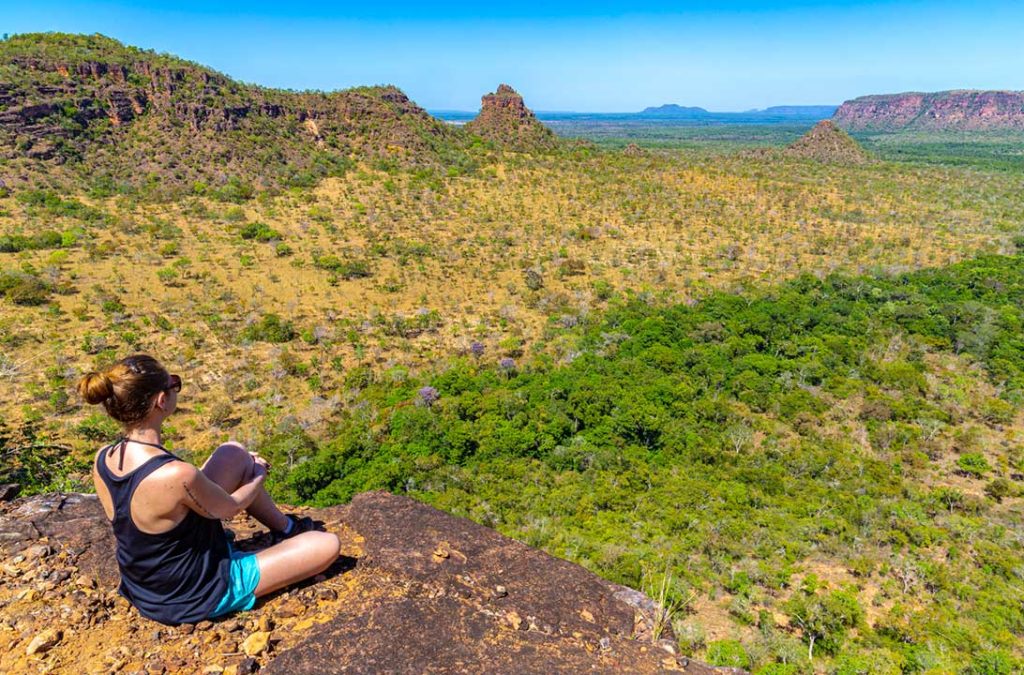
[(201, 507)]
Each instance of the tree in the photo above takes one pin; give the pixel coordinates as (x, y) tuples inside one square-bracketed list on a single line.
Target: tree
[(825, 618)]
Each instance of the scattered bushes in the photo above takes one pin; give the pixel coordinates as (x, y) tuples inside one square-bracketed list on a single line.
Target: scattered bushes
[(53, 204), (47, 239)]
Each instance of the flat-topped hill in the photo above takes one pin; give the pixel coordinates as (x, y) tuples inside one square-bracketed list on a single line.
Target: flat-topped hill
[(963, 110), (674, 110)]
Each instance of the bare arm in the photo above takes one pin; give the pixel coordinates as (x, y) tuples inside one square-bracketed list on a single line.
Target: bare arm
[(210, 500)]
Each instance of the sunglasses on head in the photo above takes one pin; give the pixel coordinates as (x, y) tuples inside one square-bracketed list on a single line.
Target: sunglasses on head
[(175, 383)]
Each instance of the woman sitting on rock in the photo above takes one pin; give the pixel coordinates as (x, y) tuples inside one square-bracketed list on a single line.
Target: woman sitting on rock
[(176, 563)]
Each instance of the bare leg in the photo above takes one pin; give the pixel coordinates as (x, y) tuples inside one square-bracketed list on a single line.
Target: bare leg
[(296, 559), (229, 466)]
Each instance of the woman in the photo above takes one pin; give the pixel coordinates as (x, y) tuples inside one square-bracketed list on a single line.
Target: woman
[(176, 563)]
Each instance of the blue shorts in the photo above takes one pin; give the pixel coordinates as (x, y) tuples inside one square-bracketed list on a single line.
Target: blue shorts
[(243, 578)]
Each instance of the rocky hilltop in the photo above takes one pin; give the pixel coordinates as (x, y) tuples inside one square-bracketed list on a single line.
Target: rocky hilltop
[(505, 120), (825, 142), (416, 590), (945, 110), (123, 115)]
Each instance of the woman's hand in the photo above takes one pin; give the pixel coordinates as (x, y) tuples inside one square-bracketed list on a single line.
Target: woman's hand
[(260, 460), (258, 473)]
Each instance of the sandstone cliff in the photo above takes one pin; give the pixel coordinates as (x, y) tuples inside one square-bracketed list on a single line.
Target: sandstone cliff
[(505, 120), (944, 110), (416, 590)]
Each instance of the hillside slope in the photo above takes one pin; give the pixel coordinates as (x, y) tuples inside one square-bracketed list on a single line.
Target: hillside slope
[(121, 116)]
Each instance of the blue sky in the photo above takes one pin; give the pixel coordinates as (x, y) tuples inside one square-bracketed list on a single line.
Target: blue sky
[(585, 56)]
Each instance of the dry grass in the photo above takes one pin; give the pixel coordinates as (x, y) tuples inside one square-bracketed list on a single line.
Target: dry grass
[(455, 253)]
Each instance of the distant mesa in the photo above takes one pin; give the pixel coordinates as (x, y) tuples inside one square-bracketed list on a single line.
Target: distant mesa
[(773, 114), (959, 110), (505, 120), (826, 142), (675, 111), (820, 111)]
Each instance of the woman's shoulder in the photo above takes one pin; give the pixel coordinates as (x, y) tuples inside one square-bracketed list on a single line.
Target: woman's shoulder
[(176, 468)]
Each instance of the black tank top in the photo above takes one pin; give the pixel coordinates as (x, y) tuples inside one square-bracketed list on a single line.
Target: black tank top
[(178, 576)]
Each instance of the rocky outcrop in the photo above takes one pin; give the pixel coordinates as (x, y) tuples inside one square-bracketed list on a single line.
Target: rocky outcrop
[(939, 111), (505, 120), (826, 142), (416, 590), (633, 150)]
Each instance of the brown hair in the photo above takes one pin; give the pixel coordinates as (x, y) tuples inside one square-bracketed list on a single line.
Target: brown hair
[(126, 388)]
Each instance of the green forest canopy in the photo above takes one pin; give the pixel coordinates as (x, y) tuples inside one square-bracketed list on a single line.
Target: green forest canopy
[(706, 441)]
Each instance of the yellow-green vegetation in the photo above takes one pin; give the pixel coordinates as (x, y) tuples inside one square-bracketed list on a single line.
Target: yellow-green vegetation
[(824, 465), (405, 269), (793, 389)]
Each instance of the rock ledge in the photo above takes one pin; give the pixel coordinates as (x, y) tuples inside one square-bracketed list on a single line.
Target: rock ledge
[(416, 590)]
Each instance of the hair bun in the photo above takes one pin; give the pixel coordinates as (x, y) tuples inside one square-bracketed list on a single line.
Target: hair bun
[(96, 388)]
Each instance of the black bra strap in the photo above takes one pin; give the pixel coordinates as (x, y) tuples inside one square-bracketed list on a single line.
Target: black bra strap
[(123, 441)]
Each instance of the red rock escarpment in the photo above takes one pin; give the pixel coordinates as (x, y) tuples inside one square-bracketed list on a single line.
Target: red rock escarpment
[(944, 110)]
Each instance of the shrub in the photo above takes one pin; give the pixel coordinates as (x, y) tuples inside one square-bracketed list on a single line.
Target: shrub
[(825, 619), (533, 278), (359, 377), (603, 290), (24, 289), (778, 669), (168, 276), (346, 269), (98, 427), (995, 662), (259, 232), (997, 411), (999, 489), (729, 653), (270, 328), (13, 243), (881, 662), (973, 464), (235, 190)]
